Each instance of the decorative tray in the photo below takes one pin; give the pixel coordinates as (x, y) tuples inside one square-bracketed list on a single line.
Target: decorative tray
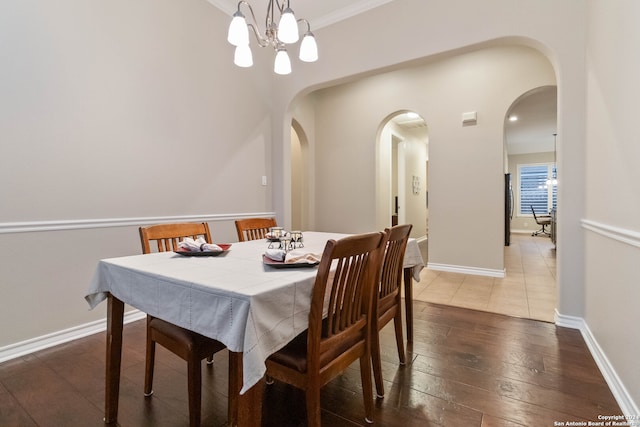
[(224, 246), (281, 264)]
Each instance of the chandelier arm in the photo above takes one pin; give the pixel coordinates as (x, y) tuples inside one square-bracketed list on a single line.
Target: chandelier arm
[(305, 22), (280, 5), (269, 18), (262, 42), (270, 36)]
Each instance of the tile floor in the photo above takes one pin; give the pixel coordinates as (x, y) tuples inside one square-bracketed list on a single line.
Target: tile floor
[(528, 289)]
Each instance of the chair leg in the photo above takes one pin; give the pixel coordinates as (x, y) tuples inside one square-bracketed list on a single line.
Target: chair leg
[(541, 231), (367, 387), (312, 396), (148, 366), (397, 321), (194, 380), (377, 364)]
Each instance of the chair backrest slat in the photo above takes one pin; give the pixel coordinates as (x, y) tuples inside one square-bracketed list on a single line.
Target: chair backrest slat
[(254, 228), (168, 236), (349, 290), (392, 265)]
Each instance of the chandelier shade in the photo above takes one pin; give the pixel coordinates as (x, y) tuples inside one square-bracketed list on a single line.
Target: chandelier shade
[(308, 48), (277, 34), (242, 56), (238, 34), (282, 64), (288, 27)]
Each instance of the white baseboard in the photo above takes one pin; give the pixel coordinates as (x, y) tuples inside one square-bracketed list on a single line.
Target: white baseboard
[(466, 270), (60, 337), (523, 231), (619, 391)]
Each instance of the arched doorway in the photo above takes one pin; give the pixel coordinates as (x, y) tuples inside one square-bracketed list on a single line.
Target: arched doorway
[(402, 190), (530, 158), (300, 183)]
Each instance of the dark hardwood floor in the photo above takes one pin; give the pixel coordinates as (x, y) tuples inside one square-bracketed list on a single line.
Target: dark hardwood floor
[(465, 368)]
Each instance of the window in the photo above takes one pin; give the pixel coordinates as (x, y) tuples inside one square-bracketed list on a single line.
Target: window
[(536, 188)]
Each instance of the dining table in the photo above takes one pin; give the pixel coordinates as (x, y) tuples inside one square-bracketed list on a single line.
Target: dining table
[(247, 302)]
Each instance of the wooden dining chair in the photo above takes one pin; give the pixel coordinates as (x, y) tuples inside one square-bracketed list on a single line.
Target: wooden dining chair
[(389, 301), (329, 346), (254, 228), (188, 345)]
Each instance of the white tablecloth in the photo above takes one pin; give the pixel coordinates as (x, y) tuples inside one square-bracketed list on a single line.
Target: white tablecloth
[(234, 298)]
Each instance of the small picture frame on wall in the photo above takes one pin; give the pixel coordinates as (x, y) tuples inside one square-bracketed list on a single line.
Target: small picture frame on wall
[(416, 185)]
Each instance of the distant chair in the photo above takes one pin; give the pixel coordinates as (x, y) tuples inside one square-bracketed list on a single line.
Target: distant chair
[(186, 344), (254, 228), (389, 300), (543, 221)]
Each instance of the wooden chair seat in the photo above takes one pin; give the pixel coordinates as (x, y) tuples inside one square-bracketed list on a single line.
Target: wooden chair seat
[(182, 342), (294, 354)]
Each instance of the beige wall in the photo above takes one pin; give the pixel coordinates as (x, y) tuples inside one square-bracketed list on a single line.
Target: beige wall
[(467, 25), (466, 163), (113, 111), (612, 217)]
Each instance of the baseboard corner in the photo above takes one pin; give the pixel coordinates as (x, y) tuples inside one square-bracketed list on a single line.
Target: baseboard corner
[(619, 391)]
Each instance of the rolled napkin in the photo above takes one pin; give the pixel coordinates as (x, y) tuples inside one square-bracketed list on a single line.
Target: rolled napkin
[(301, 257), (275, 254), (198, 245)]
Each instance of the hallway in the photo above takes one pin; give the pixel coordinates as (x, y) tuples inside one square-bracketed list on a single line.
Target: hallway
[(528, 289)]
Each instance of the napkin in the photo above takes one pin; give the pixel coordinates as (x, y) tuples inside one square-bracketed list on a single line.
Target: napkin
[(293, 257), (198, 245), (275, 254), (301, 257)]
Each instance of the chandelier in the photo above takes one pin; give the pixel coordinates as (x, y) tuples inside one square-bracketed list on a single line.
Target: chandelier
[(276, 34)]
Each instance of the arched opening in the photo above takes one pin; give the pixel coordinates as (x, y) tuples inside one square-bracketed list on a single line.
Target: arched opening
[(299, 178), (530, 158), (466, 164), (402, 191)]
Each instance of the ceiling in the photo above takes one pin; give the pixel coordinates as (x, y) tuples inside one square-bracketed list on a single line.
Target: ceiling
[(319, 13), (534, 130), (536, 110)]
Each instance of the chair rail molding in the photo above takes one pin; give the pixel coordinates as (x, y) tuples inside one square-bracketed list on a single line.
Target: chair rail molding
[(620, 234), (79, 224)]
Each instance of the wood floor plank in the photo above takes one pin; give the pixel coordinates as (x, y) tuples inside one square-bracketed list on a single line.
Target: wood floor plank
[(464, 368)]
